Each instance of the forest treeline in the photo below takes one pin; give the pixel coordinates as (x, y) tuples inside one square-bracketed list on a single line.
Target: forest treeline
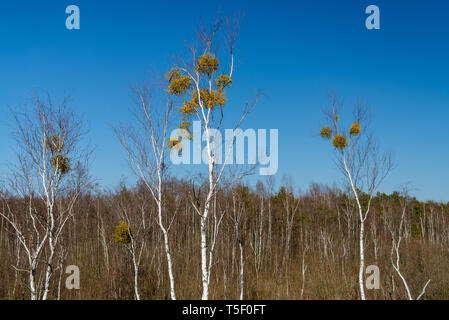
[(294, 246)]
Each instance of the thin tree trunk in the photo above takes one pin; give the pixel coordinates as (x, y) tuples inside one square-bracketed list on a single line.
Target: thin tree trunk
[(204, 271), (32, 280), (167, 253), (241, 270), (136, 278), (362, 260)]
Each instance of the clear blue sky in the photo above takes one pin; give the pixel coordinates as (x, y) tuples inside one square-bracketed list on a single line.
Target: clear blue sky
[(295, 51)]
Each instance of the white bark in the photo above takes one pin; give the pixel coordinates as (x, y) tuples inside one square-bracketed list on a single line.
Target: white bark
[(167, 247), (206, 116), (363, 165), (32, 282), (150, 167), (361, 232), (237, 217), (242, 265), (362, 260), (395, 247), (136, 278), (303, 269), (204, 269)]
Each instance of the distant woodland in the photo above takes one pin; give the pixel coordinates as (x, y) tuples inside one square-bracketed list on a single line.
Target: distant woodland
[(294, 246)]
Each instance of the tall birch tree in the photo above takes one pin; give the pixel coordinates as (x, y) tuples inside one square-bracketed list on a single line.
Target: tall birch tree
[(146, 143), (360, 159), (200, 83), (50, 174)]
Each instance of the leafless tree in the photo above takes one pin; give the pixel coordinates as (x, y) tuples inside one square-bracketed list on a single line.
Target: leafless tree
[(50, 172), (397, 234), (206, 88), (145, 143), (132, 213), (236, 218), (360, 159)]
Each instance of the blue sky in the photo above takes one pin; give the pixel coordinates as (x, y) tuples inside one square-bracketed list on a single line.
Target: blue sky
[(294, 51)]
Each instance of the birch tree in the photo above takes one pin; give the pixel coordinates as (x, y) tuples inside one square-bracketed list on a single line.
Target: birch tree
[(132, 212), (50, 174), (359, 158), (397, 235), (146, 144), (237, 217), (200, 83)]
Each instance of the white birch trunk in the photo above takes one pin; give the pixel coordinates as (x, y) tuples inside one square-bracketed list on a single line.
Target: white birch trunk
[(362, 259), (136, 278), (241, 270), (166, 245), (32, 280), (361, 233), (204, 267)]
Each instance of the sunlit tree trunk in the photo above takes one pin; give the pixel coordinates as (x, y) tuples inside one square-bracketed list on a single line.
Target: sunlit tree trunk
[(166, 243), (146, 149)]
